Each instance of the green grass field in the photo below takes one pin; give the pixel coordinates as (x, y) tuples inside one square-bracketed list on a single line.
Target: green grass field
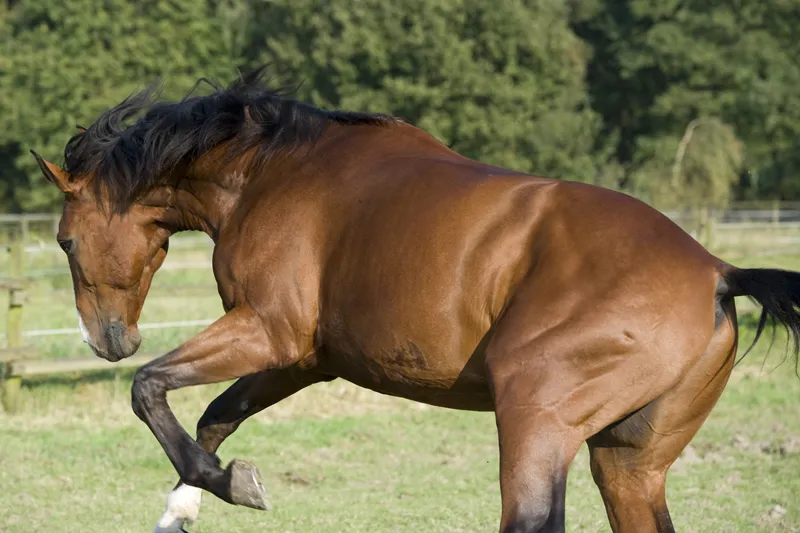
[(336, 458)]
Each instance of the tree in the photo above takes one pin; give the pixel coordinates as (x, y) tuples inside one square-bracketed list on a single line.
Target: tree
[(696, 171), (601, 91), (64, 63), (659, 65), (499, 82)]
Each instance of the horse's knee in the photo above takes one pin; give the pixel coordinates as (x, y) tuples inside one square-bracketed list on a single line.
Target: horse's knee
[(632, 487), (536, 512), (543, 518), (209, 419), (144, 391)]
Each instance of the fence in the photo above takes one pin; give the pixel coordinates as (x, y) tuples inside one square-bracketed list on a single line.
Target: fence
[(752, 229), (15, 284), (21, 224), (746, 229)]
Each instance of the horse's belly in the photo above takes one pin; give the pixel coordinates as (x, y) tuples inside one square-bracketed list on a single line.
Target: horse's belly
[(469, 396), (408, 372)]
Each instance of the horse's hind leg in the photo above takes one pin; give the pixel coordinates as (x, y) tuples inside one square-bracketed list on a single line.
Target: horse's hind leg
[(246, 397), (555, 386), (630, 459), (543, 409)]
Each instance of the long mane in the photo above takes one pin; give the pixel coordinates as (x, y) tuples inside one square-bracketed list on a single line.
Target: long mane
[(127, 161)]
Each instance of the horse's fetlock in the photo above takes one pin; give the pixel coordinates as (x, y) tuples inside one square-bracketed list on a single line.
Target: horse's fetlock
[(527, 524)]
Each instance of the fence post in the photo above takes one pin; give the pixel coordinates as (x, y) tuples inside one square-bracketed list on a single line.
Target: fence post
[(776, 214), (12, 384), (26, 229), (711, 228), (700, 220)]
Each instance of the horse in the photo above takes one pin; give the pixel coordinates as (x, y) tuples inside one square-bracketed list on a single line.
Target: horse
[(356, 246)]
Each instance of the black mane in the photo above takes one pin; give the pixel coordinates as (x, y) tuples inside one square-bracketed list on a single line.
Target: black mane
[(129, 160)]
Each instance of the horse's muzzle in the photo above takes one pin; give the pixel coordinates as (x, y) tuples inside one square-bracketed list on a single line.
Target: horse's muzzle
[(120, 342)]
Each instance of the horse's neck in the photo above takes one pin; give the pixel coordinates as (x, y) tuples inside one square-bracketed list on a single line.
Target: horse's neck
[(208, 193), (201, 202)]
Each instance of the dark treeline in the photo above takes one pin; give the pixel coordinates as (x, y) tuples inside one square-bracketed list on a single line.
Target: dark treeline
[(678, 102)]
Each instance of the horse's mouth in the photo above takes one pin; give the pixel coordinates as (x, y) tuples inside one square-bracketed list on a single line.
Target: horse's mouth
[(111, 358)]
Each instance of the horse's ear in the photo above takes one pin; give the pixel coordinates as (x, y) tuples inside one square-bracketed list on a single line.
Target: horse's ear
[(55, 174)]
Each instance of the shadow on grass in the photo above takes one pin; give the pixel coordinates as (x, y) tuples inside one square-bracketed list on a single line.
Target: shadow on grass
[(75, 379)]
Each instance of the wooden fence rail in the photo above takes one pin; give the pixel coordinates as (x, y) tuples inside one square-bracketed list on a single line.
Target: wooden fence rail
[(42, 367)]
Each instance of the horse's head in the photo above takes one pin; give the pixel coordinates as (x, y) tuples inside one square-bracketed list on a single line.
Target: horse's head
[(112, 258)]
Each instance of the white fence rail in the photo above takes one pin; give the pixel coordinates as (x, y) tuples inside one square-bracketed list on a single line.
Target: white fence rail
[(153, 325)]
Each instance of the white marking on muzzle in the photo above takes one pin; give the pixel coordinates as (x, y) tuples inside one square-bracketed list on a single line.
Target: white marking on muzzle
[(183, 505), (82, 327)]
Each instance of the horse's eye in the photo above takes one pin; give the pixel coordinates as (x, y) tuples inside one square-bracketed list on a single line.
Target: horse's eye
[(65, 244)]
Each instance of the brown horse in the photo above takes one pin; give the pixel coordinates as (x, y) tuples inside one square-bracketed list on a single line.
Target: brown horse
[(356, 246)]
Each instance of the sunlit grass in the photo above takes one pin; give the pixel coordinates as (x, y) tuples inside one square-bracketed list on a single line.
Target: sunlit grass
[(339, 458)]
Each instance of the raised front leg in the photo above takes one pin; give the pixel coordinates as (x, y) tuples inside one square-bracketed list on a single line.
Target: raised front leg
[(246, 397), (236, 345)]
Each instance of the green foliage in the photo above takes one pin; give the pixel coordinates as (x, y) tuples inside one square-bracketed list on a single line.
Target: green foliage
[(64, 63), (503, 83), (600, 91), (659, 65), (698, 169)]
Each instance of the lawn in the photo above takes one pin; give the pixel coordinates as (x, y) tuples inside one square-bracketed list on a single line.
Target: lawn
[(336, 458)]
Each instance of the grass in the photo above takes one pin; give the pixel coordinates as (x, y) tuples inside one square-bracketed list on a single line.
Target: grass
[(737, 243), (338, 458)]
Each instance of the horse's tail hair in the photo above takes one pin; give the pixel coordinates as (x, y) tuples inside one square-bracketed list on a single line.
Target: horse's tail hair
[(776, 291)]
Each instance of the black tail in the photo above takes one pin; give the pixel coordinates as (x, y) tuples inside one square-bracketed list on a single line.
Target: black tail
[(776, 291)]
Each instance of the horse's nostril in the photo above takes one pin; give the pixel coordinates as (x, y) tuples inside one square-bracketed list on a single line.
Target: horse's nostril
[(115, 340), (114, 332), (135, 338), (120, 341)]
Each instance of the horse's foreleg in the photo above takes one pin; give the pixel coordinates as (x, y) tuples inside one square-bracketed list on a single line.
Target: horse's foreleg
[(535, 455), (234, 346), (246, 397)]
